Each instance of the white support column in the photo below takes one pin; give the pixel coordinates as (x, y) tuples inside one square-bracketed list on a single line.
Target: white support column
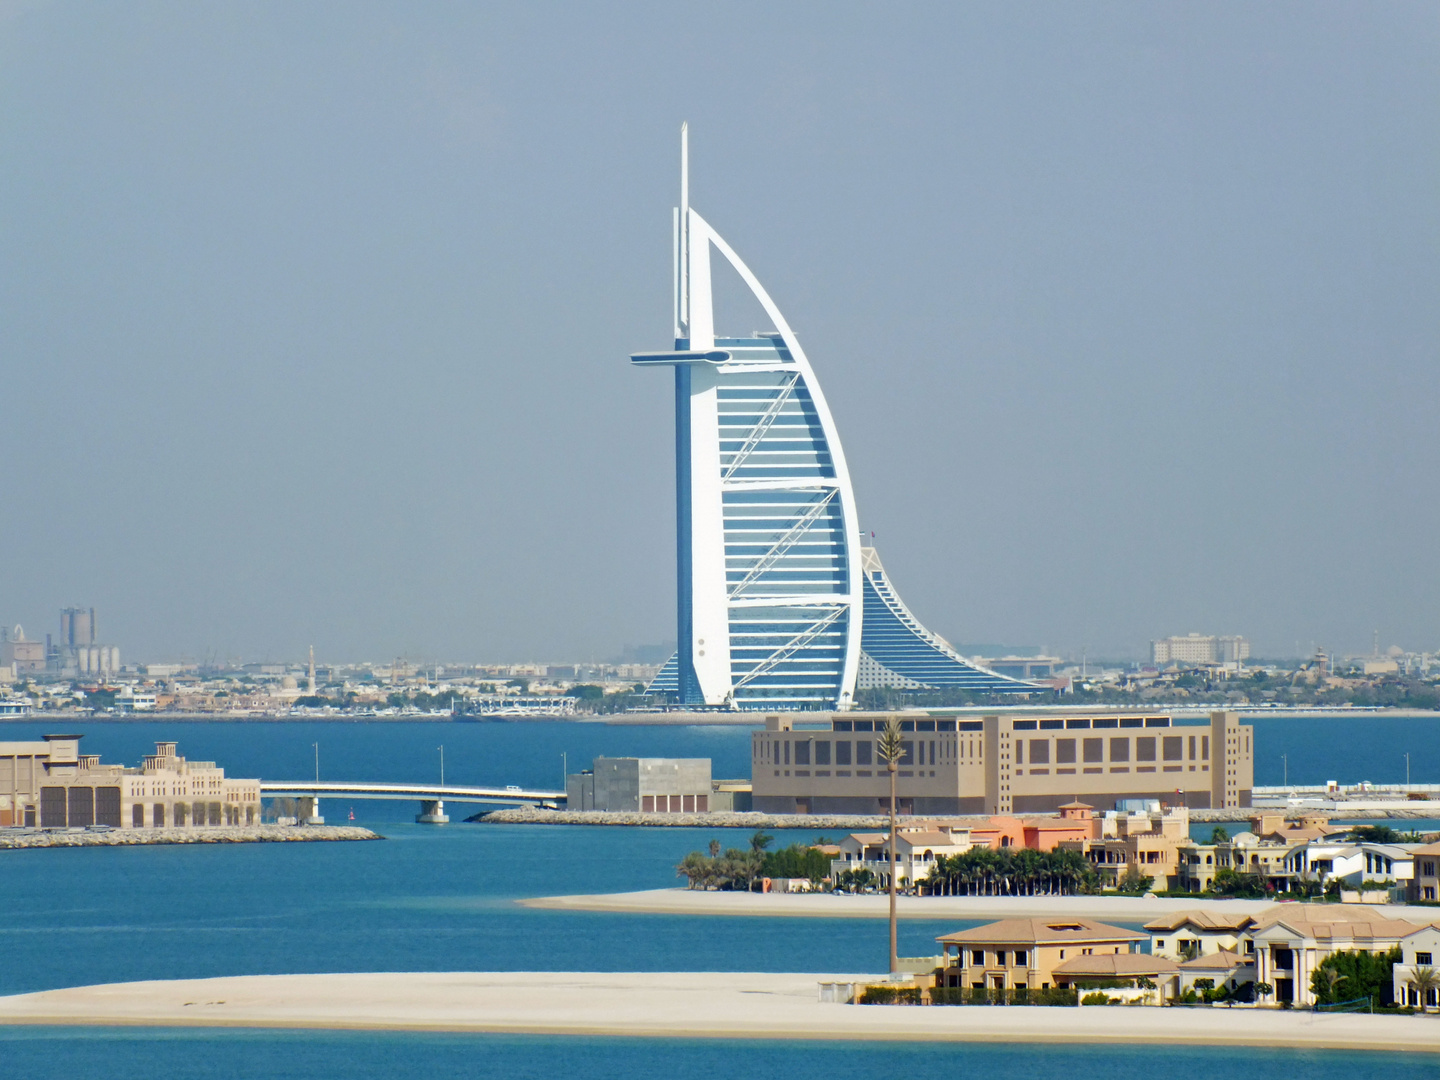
[(308, 810)]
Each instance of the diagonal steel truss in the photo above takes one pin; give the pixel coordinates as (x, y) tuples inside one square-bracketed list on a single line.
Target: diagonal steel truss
[(767, 418), (786, 542), (789, 649)]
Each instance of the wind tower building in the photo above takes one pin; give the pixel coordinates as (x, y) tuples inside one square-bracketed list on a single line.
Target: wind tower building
[(774, 596)]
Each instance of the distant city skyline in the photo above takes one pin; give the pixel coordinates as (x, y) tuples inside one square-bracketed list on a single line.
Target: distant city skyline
[(314, 320)]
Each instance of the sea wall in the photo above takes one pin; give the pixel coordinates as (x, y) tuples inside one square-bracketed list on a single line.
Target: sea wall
[(255, 834), (532, 815)]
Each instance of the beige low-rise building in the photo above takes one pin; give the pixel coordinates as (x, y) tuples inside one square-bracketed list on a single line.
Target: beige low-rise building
[(1147, 842), (1000, 765), (49, 784)]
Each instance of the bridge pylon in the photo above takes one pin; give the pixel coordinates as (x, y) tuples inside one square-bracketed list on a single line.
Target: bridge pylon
[(308, 810), (432, 812)]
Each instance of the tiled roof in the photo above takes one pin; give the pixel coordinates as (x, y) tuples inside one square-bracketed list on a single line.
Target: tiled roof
[(1042, 932), (1201, 919), (930, 839), (1117, 965), (1291, 914), (1217, 961), (1333, 922)]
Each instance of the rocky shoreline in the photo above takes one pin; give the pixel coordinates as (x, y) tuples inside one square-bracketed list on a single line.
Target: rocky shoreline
[(235, 834), (531, 815)]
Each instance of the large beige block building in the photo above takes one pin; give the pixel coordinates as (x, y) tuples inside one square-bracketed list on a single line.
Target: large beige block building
[(1002, 764), (49, 784)]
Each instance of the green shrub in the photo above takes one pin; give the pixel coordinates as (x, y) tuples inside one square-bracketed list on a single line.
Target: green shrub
[(1096, 998), (1020, 995), (890, 995)]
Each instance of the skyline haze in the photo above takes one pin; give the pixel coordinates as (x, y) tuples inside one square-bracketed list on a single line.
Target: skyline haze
[(314, 323)]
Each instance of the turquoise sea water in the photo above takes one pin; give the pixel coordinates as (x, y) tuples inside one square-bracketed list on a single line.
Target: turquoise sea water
[(441, 898), (222, 1055)]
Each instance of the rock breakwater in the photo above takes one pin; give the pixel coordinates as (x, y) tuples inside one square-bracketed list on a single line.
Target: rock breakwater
[(534, 815), (256, 834)]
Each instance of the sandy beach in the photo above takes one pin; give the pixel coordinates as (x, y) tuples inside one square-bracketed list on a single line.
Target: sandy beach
[(829, 906), (688, 1004)]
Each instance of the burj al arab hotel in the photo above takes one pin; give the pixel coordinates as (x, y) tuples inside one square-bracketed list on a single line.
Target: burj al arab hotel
[(780, 607)]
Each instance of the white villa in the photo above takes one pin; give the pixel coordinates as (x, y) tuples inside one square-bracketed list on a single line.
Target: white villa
[(916, 850)]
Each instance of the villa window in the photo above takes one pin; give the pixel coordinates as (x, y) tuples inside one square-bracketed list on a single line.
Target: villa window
[(978, 957), (1000, 957), (1021, 957), (1423, 959)]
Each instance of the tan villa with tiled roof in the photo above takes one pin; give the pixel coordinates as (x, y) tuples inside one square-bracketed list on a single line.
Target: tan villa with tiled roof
[(1014, 953)]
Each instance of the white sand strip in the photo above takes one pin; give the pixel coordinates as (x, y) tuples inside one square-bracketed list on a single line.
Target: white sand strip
[(829, 906), (688, 1004)]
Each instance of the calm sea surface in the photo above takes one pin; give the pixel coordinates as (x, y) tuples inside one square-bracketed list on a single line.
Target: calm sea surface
[(440, 898)]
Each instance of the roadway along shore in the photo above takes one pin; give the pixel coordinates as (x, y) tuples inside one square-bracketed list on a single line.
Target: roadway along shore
[(677, 1005), (537, 815), (1126, 909), (230, 834)]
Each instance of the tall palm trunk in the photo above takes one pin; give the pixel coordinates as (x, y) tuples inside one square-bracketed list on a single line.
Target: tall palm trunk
[(889, 748), (894, 946)]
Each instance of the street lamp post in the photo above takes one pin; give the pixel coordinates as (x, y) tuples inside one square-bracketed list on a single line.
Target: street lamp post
[(442, 765)]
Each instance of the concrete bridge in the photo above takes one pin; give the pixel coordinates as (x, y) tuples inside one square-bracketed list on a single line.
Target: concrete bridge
[(430, 796)]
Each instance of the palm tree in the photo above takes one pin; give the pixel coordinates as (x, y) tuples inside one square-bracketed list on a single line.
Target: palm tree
[(889, 748), (1424, 981), (1328, 978)]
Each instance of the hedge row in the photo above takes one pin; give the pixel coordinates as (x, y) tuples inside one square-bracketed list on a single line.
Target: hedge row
[(957, 995)]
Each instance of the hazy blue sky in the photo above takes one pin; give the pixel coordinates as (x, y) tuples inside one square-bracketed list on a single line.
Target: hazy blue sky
[(314, 317)]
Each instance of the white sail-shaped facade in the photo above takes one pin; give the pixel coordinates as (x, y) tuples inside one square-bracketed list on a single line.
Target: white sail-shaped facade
[(769, 576), (773, 585)]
